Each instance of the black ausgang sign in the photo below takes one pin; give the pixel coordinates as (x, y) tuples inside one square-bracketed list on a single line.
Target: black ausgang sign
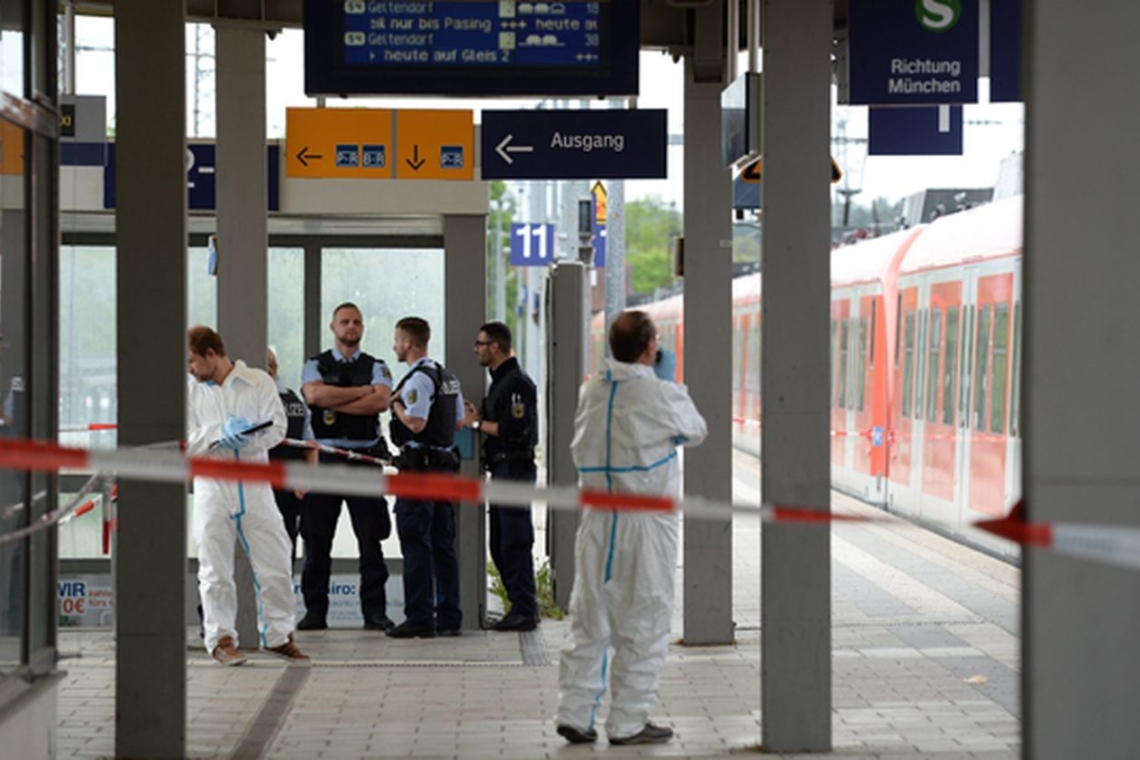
[(574, 144)]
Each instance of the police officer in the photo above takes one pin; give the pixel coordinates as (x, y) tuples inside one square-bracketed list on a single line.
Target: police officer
[(298, 426), (346, 390), (508, 419), (427, 408)]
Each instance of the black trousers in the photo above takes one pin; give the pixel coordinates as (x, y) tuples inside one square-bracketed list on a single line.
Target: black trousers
[(512, 541), (290, 508), (370, 522)]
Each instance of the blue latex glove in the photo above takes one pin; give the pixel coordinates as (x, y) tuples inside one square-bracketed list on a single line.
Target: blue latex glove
[(679, 440), (232, 437), (666, 365)]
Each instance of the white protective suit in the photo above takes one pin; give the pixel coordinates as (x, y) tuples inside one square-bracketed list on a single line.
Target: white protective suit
[(626, 433), (225, 511)]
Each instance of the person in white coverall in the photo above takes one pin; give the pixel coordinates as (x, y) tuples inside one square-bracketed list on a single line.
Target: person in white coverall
[(630, 420), (226, 399)]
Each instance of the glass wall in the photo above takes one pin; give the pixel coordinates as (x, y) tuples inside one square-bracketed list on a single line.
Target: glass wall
[(28, 384)]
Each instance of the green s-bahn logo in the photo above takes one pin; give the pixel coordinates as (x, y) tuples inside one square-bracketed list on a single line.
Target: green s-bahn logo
[(938, 15)]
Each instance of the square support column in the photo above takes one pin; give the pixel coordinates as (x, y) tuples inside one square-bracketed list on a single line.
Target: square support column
[(1080, 689), (465, 297), (150, 665), (708, 345), (243, 236), (796, 470)]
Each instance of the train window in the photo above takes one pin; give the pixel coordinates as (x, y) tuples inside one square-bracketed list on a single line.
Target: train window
[(843, 338), (920, 360), (738, 353), (967, 364), (932, 376), (834, 363), (908, 363), (898, 331), (861, 367), (950, 355), (1001, 368), (1015, 392), (982, 354), (874, 323)]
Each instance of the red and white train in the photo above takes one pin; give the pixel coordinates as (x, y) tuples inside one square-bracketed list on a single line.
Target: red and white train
[(926, 362)]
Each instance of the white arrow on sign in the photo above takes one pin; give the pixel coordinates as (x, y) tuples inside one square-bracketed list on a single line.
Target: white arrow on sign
[(505, 148)]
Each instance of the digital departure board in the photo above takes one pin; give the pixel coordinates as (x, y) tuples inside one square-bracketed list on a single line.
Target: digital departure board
[(471, 47)]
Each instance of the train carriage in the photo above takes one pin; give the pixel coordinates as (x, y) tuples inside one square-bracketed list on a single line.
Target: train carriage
[(956, 452), (862, 332), (926, 361)]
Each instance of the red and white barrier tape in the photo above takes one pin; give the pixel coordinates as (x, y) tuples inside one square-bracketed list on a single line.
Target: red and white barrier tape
[(88, 428), (165, 466), (1107, 544), (54, 516), (352, 456)]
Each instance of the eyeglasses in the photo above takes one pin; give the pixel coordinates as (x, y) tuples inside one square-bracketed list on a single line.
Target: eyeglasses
[(479, 343)]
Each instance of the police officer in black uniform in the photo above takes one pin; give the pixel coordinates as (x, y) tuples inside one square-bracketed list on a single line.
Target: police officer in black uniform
[(346, 390), (427, 408), (298, 427), (508, 419)]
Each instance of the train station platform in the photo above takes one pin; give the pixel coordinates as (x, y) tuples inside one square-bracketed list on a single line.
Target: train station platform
[(925, 664)]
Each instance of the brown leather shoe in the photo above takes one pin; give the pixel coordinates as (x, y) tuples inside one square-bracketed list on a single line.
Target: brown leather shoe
[(226, 653), (288, 651)]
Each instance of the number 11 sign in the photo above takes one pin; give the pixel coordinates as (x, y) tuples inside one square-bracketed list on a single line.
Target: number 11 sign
[(532, 245)]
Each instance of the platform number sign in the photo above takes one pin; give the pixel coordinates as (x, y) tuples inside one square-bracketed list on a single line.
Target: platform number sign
[(532, 245)]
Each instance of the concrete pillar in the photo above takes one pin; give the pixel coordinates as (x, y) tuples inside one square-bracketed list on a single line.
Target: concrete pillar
[(150, 663), (465, 271), (1080, 653), (243, 236), (796, 471), (708, 345)]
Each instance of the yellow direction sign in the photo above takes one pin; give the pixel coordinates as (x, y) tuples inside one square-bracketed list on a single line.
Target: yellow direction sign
[(437, 144), (340, 143), (599, 193), (751, 173), (367, 143)]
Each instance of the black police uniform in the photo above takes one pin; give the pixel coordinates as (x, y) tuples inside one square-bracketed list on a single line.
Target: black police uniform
[(427, 527), (320, 511), (512, 402), (287, 502)]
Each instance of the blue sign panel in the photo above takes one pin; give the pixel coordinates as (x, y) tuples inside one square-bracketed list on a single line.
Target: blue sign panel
[(574, 144), (375, 156), (201, 177), (1005, 51), (600, 245), (532, 245), (471, 47), (928, 131), (913, 52)]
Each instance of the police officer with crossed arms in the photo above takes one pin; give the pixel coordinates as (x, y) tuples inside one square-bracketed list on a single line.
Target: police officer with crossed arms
[(346, 390)]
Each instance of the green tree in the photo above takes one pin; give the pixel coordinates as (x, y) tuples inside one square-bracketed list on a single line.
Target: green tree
[(650, 226)]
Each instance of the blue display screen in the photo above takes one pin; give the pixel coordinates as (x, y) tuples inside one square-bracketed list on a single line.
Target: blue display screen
[(476, 47)]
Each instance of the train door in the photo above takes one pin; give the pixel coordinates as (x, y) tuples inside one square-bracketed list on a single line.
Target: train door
[(868, 409), (939, 458), (900, 437), (988, 419), (966, 359), (840, 355), (1013, 441)]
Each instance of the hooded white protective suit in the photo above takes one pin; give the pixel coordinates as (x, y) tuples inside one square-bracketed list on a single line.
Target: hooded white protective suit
[(225, 512), (626, 432)]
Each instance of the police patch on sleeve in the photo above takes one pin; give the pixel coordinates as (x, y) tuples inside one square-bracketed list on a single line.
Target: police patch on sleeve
[(411, 396), (387, 373), (330, 417), (517, 409)]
